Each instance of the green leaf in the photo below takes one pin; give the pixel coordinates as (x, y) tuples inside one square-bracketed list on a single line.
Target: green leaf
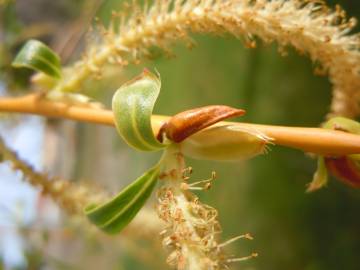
[(343, 124), (37, 56), (132, 105), (115, 214), (320, 178)]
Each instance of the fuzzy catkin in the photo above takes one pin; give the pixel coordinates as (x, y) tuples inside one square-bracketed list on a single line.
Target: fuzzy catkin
[(309, 26), (191, 226)]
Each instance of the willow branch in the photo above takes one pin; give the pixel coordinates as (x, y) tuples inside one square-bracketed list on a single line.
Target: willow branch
[(315, 140)]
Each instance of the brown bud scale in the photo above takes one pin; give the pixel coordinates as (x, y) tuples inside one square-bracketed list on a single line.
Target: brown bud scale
[(184, 124)]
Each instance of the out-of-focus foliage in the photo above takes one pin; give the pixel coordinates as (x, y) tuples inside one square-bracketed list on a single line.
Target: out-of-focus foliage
[(264, 196), (37, 56)]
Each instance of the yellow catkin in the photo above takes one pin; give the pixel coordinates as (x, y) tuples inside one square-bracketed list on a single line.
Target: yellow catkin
[(309, 26)]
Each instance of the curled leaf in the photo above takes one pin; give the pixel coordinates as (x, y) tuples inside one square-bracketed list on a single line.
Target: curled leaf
[(132, 105), (225, 143), (114, 215), (37, 56), (186, 123)]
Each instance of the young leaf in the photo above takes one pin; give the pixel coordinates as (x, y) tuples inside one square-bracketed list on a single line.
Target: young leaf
[(132, 105), (37, 56), (343, 124), (320, 178), (115, 214)]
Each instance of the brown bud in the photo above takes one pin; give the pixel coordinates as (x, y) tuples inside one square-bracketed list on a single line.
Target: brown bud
[(345, 169), (186, 123)]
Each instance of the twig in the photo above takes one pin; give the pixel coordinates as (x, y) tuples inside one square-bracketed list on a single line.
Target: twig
[(315, 140)]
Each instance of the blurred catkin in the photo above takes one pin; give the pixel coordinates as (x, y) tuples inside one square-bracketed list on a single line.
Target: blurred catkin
[(72, 197)]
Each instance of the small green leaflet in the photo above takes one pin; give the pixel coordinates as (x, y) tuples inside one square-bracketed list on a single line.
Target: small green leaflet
[(343, 124), (132, 105), (37, 56), (320, 177), (114, 215)]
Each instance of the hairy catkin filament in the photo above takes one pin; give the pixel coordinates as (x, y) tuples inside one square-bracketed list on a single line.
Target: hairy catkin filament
[(192, 228), (309, 26)]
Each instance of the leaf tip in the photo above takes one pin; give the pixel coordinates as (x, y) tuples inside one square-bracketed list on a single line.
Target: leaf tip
[(37, 56)]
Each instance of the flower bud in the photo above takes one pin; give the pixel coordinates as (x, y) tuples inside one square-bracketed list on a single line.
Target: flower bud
[(225, 143), (186, 123)]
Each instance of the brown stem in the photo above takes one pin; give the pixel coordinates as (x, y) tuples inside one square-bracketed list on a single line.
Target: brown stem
[(315, 140)]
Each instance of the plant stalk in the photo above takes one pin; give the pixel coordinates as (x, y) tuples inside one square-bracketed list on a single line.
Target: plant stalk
[(314, 140)]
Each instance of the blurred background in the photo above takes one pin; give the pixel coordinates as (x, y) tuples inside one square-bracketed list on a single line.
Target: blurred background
[(264, 196)]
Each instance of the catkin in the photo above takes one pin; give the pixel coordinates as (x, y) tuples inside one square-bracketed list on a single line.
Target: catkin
[(72, 197), (309, 26)]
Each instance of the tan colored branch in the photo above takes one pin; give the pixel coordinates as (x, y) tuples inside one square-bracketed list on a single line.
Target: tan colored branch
[(315, 140)]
